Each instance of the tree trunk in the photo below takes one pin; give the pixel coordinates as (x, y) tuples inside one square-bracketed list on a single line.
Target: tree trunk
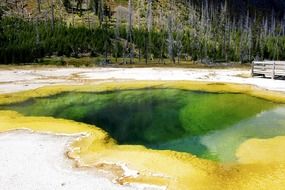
[(39, 5), (130, 20), (52, 15), (146, 47)]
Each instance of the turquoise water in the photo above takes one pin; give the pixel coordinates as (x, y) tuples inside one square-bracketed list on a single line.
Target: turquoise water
[(209, 125)]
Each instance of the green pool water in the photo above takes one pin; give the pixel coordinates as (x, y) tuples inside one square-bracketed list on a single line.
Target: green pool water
[(209, 125)]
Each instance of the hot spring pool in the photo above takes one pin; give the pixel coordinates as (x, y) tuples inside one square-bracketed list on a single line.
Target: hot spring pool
[(209, 125)]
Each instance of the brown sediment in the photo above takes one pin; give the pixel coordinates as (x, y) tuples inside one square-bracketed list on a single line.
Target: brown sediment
[(166, 168)]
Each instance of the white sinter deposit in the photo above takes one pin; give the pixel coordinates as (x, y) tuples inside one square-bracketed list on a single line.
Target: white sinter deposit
[(32, 161), (19, 79)]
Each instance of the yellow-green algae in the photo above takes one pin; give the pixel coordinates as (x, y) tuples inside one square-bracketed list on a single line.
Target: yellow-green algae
[(208, 125), (265, 151), (177, 170)]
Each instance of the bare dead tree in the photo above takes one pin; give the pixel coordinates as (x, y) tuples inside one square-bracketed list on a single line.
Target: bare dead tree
[(117, 34), (52, 15), (140, 10), (149, 29), (130, 30), (39, 5), (170, 40)]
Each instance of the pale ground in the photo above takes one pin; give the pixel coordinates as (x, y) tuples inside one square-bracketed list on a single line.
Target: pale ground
[(19, 79), (33, 161), (30, 161)]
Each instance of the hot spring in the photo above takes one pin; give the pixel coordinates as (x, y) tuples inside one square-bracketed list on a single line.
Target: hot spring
[(209, 125)]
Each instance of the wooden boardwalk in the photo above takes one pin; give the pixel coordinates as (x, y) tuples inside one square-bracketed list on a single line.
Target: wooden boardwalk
[(268, 69)]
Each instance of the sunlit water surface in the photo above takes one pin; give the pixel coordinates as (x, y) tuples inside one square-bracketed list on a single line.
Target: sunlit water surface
[(209, 125)]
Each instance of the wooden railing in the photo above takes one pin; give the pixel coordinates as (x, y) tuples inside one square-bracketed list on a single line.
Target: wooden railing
[(272, 69)]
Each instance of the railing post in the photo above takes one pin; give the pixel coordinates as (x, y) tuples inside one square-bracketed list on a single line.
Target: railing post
[(273, 70)]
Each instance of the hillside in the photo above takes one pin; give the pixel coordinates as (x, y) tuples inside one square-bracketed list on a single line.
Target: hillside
[(66, 8), (204, 31)]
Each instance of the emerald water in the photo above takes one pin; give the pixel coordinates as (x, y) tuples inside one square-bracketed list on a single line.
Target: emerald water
[(209, 125)]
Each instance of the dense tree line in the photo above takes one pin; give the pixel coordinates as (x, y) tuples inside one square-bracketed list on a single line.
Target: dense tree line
[(24, 41), (146, 30)]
